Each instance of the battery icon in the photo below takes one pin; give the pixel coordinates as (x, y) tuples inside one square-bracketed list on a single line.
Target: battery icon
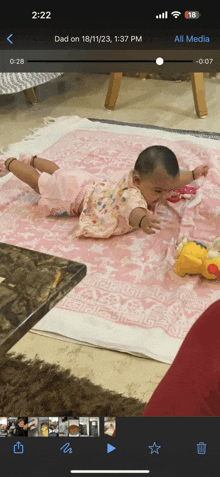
[(192, 15)]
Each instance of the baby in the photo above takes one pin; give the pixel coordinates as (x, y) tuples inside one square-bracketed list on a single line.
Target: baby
[(110, 206)]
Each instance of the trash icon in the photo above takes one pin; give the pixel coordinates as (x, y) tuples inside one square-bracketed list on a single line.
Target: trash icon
[(201, 448)]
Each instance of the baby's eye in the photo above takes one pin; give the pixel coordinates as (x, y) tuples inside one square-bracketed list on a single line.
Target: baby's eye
[(159, 191)]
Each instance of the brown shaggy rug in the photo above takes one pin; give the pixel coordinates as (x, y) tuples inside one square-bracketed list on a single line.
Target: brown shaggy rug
[(36, 388)]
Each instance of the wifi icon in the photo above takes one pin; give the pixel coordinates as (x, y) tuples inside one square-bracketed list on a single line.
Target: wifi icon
[(176, 14)]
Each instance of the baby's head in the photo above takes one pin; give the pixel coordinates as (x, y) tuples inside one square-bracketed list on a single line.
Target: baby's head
[(156, 173)]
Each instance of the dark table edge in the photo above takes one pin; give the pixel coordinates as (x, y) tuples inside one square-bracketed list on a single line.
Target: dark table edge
[(24, 327)]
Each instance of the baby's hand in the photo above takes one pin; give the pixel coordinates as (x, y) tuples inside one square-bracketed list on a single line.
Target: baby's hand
[(149, 222), (201, 171)]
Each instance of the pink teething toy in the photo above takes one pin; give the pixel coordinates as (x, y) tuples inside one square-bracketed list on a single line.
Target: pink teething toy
[(184, 193)]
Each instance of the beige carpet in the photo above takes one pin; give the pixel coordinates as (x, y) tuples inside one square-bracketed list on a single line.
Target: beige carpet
[(154, 102)]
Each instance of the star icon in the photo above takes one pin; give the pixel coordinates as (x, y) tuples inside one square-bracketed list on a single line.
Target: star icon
[(154, 448)]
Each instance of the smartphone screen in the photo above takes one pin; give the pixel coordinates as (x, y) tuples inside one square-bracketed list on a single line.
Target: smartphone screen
[(110, 248)]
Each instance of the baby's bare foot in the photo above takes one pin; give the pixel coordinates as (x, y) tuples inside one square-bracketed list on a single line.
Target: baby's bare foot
[(26, 158), (3, 166)]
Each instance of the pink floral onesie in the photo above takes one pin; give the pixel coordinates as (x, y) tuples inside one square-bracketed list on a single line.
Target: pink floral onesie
[(107, 204)]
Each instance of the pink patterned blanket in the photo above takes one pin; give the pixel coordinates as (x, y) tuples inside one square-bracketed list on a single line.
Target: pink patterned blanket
[(130, 279)]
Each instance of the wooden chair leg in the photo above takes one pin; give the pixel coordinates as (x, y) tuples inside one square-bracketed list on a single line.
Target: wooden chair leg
[(30, 94), (199, 94), (113, 90)]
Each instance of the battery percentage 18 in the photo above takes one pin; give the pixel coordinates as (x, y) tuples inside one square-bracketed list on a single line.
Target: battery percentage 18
[(192, 15)]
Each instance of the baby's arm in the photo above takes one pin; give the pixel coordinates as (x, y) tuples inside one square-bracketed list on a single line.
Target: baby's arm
[(185, 178), (148, 223), (136, 215)]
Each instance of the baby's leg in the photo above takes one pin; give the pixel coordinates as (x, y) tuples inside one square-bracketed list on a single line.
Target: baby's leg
[(24, 172), (43, 165)]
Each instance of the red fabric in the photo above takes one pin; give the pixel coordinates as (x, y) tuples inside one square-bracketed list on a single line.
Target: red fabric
[(191, 386)]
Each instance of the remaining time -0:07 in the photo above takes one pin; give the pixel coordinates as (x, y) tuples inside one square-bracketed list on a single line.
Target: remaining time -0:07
[(205, 61)]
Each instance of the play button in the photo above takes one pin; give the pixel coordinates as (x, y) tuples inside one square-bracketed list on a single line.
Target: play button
[(110, 448)]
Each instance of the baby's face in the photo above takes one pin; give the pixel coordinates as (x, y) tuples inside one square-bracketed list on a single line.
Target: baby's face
[(157, 186)]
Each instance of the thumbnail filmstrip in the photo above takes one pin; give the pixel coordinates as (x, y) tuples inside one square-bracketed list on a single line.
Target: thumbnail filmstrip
[(50, 426)]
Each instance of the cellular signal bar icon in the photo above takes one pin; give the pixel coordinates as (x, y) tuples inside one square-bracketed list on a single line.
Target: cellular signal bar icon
[(162, 15)]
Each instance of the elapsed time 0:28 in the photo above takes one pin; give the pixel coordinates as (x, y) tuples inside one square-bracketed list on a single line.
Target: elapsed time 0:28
[(16, 61)]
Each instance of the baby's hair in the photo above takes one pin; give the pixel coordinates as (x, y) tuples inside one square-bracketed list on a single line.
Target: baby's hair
[(152, 157)]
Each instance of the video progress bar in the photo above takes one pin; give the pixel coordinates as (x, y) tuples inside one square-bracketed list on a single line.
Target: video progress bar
[(107, 61), (111, 471)]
